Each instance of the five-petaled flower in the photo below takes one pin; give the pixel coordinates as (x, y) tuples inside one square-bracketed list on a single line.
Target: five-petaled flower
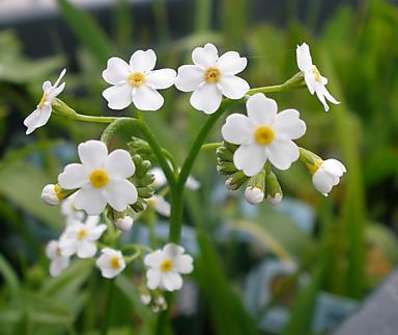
[(165, 267), (264, 135), (40, 116), (327, 175), (315, 82), (80, 238), (136, 82), (100, 178), (211, 77), (111, 263), (59, 262)]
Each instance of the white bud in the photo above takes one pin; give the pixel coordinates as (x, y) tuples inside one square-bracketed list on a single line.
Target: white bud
[(254, 195), (145, 298), (52, 194), (125, 223), (161, 302), (275, 199), (328, 175)]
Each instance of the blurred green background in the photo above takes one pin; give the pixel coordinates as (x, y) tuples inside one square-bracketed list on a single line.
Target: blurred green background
[(259, 270)]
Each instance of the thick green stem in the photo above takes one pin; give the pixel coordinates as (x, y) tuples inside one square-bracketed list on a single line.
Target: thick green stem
[(108, 308)]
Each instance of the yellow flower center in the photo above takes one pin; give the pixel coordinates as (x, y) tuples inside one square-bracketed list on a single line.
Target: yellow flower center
[(317, 74), (42, 101), (212, 75), (264, 135), (115, 262), (166, 265), (58, 192), (82, 234), (99, 178), (136, 79)]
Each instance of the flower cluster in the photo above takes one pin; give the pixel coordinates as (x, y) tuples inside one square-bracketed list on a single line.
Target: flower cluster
[(103, 194)]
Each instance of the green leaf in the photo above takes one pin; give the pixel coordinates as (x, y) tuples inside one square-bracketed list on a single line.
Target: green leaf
[(9, 275), (227, 311), (87, 31)]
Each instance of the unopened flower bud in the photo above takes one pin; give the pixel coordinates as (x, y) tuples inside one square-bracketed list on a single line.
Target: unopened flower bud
[(161, 302), (52, 194), (254, 193), (236, 180), (124, 223), (274, 190), (328, 175), (145, 298)]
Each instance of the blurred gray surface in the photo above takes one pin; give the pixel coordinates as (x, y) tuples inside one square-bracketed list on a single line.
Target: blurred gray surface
[(379, 313)]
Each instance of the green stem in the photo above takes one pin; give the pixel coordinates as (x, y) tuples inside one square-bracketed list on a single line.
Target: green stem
[(108, 308)]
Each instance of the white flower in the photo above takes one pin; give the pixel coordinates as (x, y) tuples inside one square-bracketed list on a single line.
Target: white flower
[(58, 261), (254, 195), (264, 135), (79, 238), (101, 178), (40, 116), (125, 223), (211, 77), (111, 263), (160, 180), (52, 194), (328, 175), (165, 266), (136, 82), (315, 82), (71, 213), (160, 205)]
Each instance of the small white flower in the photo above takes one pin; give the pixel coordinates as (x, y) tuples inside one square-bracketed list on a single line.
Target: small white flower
[(40, 116), (263, 135), (79, 238), (52, 194), (165, 266), (111, 263), (69, 211), (211, 77), (160, 180), (125, 223), (160, 205), (254, 195), (328, 175), (145, 298), (161, 303), (315, 82), (136, 82), (101, 178), (58, 261)]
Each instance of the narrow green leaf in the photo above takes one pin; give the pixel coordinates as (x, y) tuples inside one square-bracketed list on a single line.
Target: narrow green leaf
[(9, 275)]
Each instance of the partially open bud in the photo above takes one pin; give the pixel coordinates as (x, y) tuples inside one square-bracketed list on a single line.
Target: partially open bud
[(52, 194), (236, 180), (124, 223), (328, 175), (274, 190), (254, 193)]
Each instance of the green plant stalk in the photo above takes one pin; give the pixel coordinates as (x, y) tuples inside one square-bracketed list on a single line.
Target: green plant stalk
[(108, 307)]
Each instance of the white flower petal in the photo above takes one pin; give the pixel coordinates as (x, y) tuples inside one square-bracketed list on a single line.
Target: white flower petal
[(68, 246), (288, 125), (231, 63), (233, 87), (282, 153), (38, 118), (171, 281), (161, 79), (46, 86), (183, 264), (329, 97), (117, 70), (73, 176), (250, 159), (206, 56), (189, 77), (52, 249), (153, 278), (310, 81), (237, 129), (118, 97), (147, 99), (120, 193), (96, 232), (86, 249), (160, 178), (334, 166), (192, 184), (261, 110), (58, 265), (93, 153), (161, 205), (119, 164), (172, 250), (90, 200), (303, 56), (143, 61), (154, 259), (207, 98), (319, 93)]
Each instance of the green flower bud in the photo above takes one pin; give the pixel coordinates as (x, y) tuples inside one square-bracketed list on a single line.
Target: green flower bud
[(310, 160), (236, 180), (273, 188)]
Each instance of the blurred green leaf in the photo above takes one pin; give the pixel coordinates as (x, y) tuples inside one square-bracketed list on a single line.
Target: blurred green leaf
[(9, 276)]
